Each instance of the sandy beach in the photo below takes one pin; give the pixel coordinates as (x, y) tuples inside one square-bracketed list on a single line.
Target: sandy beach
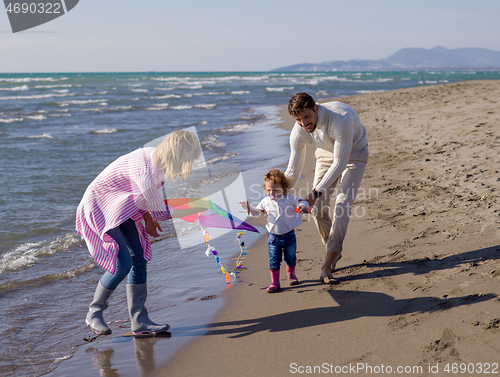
[(419, 278)]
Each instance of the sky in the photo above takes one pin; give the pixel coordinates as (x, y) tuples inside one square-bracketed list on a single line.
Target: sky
[(257, 35)]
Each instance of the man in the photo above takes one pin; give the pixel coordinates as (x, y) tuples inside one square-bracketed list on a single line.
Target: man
[(341, 155)]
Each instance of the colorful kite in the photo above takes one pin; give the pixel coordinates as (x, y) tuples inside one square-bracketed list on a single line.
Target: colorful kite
[(214, 216)]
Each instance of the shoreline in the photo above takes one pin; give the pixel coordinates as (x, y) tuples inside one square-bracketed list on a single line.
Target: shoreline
[(419, 267)]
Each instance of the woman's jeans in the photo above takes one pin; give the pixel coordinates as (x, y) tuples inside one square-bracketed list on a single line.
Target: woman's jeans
[(279, 245), (130, 259)]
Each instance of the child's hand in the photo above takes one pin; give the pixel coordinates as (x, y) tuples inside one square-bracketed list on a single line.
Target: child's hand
[(301, 208), (245, 205)]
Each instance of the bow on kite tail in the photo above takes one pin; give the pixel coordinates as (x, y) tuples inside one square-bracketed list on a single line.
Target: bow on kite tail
[(214, 216)]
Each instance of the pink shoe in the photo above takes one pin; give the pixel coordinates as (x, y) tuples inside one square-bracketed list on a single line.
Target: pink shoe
[(290, 273), (275, 282)]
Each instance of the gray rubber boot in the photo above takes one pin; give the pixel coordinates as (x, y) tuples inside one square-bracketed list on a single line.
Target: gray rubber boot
[(94, 317), (140, 322)]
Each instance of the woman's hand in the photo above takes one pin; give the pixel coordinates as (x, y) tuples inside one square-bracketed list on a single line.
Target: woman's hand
[(151, 225)]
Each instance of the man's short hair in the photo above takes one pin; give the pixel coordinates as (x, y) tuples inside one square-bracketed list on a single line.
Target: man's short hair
[(300, 102)]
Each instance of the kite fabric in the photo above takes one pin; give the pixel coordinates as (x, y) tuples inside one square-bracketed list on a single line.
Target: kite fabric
[(214, 216)]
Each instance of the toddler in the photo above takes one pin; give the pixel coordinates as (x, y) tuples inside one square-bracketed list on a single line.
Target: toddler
[(282, 212)]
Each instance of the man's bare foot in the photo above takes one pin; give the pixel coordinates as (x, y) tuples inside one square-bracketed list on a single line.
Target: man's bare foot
[(334, 264)]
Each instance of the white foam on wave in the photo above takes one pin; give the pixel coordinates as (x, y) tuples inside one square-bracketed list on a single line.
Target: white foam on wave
[(158, 106), (384, 80), (226, 156), (40, 96), (17, 88), (36, 117), (26, 254), (239, 92), (11, 120), (54, 86), (42, 136), (163, 88), (209, 106), (140, 90), (278, 89), (59, 115), (236, 128), (104, 131), (181, 107), (81, 102), (119, 108), (191, 87), (61, 90), (211, 142), (167, 96), (29, 79)]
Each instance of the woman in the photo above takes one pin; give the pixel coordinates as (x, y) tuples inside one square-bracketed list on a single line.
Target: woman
[(110, 217)]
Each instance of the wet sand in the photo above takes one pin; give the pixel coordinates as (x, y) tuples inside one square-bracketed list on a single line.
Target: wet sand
[(419, 277)]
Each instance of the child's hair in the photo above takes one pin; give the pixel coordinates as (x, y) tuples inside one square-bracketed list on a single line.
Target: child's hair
[(176, 153), (277, 177)]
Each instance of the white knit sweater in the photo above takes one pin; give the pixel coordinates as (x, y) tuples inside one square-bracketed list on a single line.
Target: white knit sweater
[(339, 130)]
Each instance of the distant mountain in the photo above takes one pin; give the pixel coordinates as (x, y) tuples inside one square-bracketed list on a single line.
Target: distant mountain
[(411, 58)]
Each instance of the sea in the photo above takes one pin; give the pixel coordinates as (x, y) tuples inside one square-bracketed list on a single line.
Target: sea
[(58, 131)]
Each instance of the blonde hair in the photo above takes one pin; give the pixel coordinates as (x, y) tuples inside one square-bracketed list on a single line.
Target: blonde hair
[(277, 177), (176, 153)]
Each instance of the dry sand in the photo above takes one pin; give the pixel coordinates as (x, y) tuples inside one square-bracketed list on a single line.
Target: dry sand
[(419, 277)]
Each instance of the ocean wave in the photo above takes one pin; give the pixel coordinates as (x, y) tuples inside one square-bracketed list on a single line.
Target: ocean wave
[(27, 253), (42, 136), (29, 79), (39, 96), (54, 86), (104, 131), (209, 106), (278, 89), (59, 115), (211, 142), (81, 102), (226, 156), (159, 106), (181, 107), (140, 90), (11, 120), (121, 108), (236, 128), (36, 117), (167, 96), (163, 88), (191, 87), (17, 88)]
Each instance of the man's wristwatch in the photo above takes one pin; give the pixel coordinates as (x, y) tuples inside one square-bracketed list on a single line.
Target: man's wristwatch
[(317, 194)]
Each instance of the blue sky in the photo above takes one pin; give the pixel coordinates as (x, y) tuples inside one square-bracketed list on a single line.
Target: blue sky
[(257, 35)]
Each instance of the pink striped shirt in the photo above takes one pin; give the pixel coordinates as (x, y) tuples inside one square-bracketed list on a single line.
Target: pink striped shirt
[(125, 189)]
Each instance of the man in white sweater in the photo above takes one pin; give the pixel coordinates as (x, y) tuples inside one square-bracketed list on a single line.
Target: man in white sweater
[(339, 137)]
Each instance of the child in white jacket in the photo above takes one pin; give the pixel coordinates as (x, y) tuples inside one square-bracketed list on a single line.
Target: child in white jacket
[(283, 215)]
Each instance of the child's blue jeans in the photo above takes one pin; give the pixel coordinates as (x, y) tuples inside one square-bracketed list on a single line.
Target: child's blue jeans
[(279, 245), (130, 259)]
